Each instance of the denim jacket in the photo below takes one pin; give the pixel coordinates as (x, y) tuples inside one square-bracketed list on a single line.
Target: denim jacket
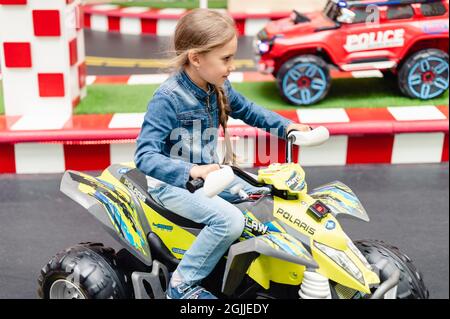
[(180, 128)]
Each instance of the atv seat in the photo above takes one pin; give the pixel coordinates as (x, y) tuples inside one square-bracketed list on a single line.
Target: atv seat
[(157, 246), (139, 180)]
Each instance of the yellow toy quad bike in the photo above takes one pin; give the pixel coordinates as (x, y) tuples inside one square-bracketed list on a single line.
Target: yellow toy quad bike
[(292, 247)]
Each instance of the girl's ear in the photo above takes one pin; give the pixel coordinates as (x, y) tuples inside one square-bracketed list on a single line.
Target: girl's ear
[(194, 58)]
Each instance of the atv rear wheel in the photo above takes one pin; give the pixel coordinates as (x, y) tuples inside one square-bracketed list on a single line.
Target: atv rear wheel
[(304, 80), (425, 75), (411, 285), (85, 271)]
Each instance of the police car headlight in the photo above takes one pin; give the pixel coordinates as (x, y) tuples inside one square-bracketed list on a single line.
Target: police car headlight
[(342, 4), (263, 47), (340, 258)]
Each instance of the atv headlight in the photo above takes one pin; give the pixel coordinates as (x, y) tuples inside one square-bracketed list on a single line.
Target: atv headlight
[(340, 258), (358, 253)]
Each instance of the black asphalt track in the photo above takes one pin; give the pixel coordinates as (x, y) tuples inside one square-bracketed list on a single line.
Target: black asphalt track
[(116, 45)]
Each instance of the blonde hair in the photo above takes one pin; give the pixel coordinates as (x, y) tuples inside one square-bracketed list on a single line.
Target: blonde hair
[(201, 31)]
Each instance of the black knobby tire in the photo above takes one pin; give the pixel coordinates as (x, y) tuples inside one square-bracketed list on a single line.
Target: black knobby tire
[(411, 285), (304, 80), (91, 268), (424, 75)]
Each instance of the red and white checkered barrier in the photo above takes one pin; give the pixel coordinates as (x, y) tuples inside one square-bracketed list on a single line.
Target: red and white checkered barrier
[(397, 135), (235, 77), (162, 22), (42, 58)]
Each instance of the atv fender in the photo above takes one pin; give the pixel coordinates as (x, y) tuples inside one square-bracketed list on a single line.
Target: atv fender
[(242, 254), (341, 200), (70, 186)]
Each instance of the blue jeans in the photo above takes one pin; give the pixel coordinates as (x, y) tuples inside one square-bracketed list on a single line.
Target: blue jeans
[(224, 224)]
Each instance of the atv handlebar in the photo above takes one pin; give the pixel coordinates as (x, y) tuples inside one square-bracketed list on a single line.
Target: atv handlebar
[(316, 136), (195, 184)]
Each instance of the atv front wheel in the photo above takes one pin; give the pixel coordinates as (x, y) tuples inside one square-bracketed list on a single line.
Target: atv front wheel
[(425, 75), (304, 80), (411, 285), (85, 271)]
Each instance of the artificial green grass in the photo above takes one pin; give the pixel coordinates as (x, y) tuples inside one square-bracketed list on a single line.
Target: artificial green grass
[(345, 93), (116, 99), (186, 4)]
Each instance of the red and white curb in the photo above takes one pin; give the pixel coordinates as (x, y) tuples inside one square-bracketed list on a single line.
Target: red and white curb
[(162, 22), (235, 77), (397, 135)]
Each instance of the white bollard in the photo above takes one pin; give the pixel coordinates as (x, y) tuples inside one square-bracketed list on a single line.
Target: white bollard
[(42, 57), (203, 4)]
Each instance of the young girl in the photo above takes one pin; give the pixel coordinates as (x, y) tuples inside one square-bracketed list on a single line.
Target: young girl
[(178, 141)]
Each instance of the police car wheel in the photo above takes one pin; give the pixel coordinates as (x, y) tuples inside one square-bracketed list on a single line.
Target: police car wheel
[(425, 75), (304, 80)]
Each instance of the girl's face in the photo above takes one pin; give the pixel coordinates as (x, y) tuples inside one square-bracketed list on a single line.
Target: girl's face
[(215, 66)]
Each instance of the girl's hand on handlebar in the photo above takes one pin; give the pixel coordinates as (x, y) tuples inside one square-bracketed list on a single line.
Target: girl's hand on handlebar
[(298, 127), (201, 171)]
